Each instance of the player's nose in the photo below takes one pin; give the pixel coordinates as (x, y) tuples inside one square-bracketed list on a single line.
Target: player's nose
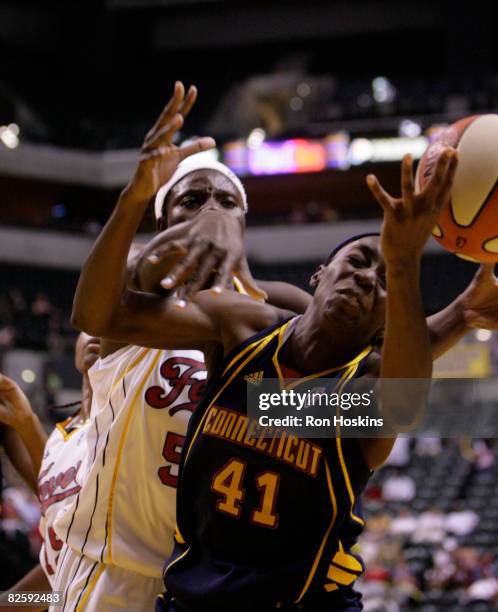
[(365, 278), (212, 204)]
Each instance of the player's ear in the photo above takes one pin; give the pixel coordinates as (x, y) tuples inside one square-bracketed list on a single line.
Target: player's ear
[(317, 275)]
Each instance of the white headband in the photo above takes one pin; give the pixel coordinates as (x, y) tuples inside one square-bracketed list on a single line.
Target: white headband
[(199, 161)]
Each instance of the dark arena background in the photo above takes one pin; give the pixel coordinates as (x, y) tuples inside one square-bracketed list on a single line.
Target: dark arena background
[(304, 100)]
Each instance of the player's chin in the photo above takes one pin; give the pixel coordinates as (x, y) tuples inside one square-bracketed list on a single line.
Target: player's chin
[(341, 310)]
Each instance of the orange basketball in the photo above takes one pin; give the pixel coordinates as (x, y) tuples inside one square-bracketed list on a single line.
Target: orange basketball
[(468, 224)]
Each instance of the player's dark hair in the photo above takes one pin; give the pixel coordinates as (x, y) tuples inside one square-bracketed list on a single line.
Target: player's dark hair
[(344, 243)]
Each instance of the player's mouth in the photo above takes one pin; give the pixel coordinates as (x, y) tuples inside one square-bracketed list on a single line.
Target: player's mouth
[(353, 297)]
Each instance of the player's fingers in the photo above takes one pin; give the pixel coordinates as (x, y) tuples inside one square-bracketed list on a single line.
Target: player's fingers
[(407, 184), (183, 269), (173, 247), (479, 320), (250, 285), (378, 192), (163, 136), (436, 182), (7, 385), (199, 145), (172, 107), (448, 179), (190, 98), (210, 263), (486, 271), (224, 276)]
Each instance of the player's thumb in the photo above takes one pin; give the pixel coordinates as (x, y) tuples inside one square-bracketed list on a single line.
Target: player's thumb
[(198, 146), (245, 278), (485, 270)]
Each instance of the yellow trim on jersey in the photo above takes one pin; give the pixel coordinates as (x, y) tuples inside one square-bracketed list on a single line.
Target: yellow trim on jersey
[(243, 352), (61, 426), (325, 537), (353, 367), (346, 561), (298, 381), (274, 359), (239, 287), (178, 536), (90, 587), (110, 504), (259, 345), (344, 569), (344, 469)]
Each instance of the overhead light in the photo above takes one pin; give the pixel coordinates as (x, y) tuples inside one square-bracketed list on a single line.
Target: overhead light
[(360, 151), (383, 90), (409, 128), (256, 138), (296, 103), (483, 335), (9, 135), (303, 89), (28, 376)]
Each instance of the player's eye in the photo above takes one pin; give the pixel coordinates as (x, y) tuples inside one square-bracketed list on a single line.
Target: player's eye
[(189, 201), (356, 261), (229, 203)]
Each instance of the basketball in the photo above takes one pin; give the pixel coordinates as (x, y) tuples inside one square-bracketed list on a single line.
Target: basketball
[(468, 223)]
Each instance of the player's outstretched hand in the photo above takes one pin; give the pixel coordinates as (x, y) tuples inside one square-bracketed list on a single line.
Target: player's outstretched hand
[(159, 157), (408, 220), (208, 257), (480, 299), (15, 408)]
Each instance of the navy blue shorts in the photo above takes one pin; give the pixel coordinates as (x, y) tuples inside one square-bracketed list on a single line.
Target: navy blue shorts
[(348, 601)]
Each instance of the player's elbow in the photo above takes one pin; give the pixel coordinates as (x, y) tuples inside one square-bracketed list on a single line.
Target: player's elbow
[(83, 321)]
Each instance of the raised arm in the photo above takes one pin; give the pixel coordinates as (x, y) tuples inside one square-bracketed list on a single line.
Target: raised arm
[(102, 301), (24, 437), (476, 307), (406, 350)]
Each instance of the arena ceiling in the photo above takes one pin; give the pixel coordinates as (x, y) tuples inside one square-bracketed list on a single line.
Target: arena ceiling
[(93, 74)]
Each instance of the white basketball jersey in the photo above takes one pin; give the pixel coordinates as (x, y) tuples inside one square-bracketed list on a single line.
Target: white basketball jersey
[(125, 513), (59, 482)]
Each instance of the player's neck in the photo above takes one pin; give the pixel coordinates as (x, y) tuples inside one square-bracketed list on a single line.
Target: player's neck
[(311, 349)]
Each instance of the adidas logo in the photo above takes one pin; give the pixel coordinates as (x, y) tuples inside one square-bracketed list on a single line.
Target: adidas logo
[(255, 378)]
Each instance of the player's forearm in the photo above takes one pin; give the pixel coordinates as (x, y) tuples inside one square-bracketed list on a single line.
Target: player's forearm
[(34, 438), (34, 580), (102, 282), (285, 296), (148, 275), (446, 328), (24, 445), (406, 351)]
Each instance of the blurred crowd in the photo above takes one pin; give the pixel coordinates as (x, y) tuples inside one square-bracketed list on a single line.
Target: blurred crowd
[(20, 540), (431, 541), (34, 323)]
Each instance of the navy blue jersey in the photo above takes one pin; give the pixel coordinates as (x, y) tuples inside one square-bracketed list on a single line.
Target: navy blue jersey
[(270, 521)]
